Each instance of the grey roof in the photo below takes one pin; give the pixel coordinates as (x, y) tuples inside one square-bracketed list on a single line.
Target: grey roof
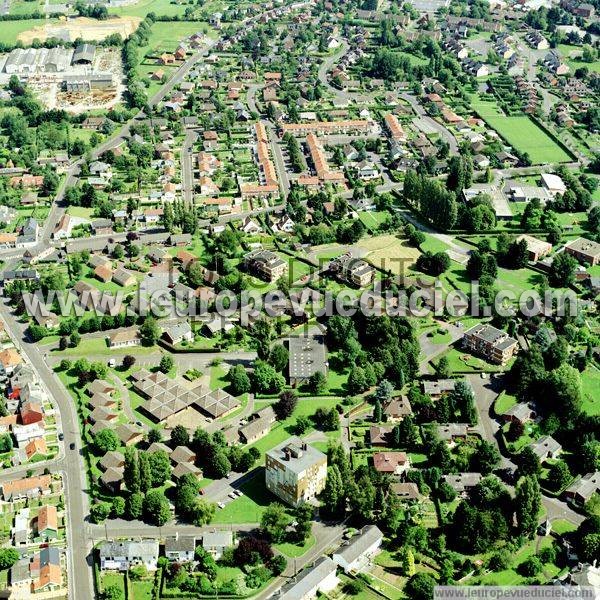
[(308, 580), (543, 446), (360, 543), (84, 52), (307, 356), (461, 481), (217, 539), (129, 548), (301, 456), (182, 543), (441, 386), (587, 486), (520, 411)]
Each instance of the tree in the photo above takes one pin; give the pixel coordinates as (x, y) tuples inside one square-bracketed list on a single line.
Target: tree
[(562, 270), (278, 357), (8, 557), (134, 506), (128, 361), (377, 412), (166, 363), (420, 587), (278, 565), (156, 508), (274, 522), (286, 404), (206, 563), (112, 592), (160, 468), (239, 380), (250, 550), (149, 331), (100, 512), (357, 382), (528, 501), (317, 383), (529, 462), (117, 508), (219, 464), (302, 425), (154, 436), (333, 497), (559, 475), (106, 440), (265, 378), (131, 473), (179, 436), (384, 391), (487, 458), (563, 391), (531, 567)]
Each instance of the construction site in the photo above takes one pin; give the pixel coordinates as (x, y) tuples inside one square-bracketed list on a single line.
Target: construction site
[(87, 77)]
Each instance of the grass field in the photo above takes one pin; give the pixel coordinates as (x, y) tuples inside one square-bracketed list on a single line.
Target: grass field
[(389, 253), (572, 56), (143, 7), (12, 29), (166, 36), (590, 383), (373, 219), (521, 133)]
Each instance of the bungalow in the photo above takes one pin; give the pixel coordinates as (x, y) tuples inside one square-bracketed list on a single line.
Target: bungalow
[(47, 522), (546, 447), (355, 555), (121, 556), (125, 338), (100, 386), (519, 413), (453, 432), (128, 434), (175, 333), (583, 489), (536, 249), (397, 408), (123, 278), (104, 273), (462, 483)]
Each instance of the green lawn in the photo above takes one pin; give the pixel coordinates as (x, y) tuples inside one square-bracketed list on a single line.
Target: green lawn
[(504, 402), (165, 36), (521, 133), (141, 590), (373, 219), (249, 507), (590, 384), (12, 29), (293, 550), (98, 346), (116, 579)]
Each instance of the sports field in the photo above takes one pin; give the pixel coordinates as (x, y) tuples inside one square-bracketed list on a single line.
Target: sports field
[(521, 133)]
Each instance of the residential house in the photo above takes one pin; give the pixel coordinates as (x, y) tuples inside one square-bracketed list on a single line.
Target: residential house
[(584, 250), (356, 554), (583, 489), (122, 555), (462, 483), (536, 248), (216, 542), (321, 578), (391, 463), (125, 338), (180, 548), (546, 447)]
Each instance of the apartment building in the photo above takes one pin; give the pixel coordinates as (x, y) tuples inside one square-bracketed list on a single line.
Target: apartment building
[(265, 264), (493, 344), (295, 471)]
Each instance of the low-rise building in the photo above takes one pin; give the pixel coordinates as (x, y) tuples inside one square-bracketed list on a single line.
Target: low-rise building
[(355, 555), (583, 489), (180, 548), (536, 249), (320, 578), (307, 356), (353, 270), (584, 250), (546, 447), (265, 264), (391, 463), (122, 555), (216, 542)]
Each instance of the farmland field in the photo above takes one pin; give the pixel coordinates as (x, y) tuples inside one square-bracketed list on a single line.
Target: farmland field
[(12, 29), (521, 133)]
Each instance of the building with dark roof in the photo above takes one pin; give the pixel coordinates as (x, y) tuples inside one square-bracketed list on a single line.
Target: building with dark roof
[(84, 54), (307, 355), (493, 344)]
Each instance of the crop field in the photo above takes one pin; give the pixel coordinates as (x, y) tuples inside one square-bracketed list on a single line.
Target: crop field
[(521, 133), (12, 30), (389, 253)]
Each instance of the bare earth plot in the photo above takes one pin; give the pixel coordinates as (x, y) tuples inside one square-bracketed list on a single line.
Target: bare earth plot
[(81, 27)]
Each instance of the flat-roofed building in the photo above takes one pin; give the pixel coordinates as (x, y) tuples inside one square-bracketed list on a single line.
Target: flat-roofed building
[(584, 250), (295, 471), (307, 356), (536, 249)]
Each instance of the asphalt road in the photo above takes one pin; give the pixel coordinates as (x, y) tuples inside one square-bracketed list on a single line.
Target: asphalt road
[(72, 466)]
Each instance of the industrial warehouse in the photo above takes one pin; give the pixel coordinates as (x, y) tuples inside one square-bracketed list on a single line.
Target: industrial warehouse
[(79, 78)]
